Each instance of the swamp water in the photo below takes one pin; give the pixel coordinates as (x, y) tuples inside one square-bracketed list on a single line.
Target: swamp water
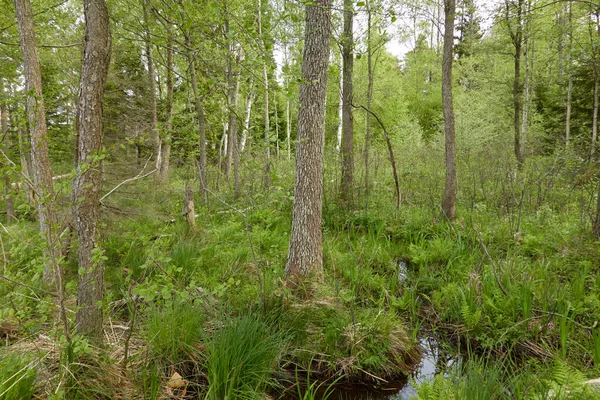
[(433, 361)]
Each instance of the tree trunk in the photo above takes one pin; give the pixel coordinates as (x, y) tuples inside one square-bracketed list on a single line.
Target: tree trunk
[(305, 254), (40, 160), (166, 143), (6, 138), (569, 78), (288, 128), (86, 187), (369, 100), (201, 124), (517, 90), (449, 199), (188, 207), (595, 114), (347, 117), (156, 145), (338, 143), (261, 43), (246, 130), (233, 152)]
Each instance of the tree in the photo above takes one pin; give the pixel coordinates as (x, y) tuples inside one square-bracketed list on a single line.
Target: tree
[(86, 187), (449, 199), (347, 118), (36, 115), (305, 254)]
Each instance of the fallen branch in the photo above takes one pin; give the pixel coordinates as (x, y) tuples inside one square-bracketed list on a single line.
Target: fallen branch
[(141, 175), (390, 150)]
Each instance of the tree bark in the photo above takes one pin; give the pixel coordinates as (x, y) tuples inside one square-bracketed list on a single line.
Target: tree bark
[(347, 117), (517, 38), (156, 145), (86, 187), (569, 77), (36, 114), (166, 143), (305, 254), (369, 101), (595, 113), (261, 42), (449, 199), (6, 138), (246, 130), (199, 116), (188, 207)]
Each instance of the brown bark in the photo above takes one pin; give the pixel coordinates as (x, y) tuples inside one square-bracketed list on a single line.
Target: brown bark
[(305, 254), (347, 117), (36, 114), (86, 187), (188, 207), (449, 199)]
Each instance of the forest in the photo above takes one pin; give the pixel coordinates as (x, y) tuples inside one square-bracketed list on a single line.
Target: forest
[(299, 199)]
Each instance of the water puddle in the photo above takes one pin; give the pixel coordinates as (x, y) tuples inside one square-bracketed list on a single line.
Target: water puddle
[(434, 361)]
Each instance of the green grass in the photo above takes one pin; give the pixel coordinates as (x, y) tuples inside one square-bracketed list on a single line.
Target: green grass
[(240, 358), (17, 376)]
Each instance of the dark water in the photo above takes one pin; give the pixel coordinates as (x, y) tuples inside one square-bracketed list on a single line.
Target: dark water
[(433, 361)]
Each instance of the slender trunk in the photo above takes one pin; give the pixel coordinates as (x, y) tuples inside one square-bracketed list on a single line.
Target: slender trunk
[(233, 153), (338, 143), (166, 143), (246, 130), (569, 78), (152, 89), (6, 137), (288, 128), (369, 100), (449, 199), (595, 114), (261, 43), (305, 254), (347, 117), (517, 89), (199, 116), (86, 187), (276, 125), (40, 160)]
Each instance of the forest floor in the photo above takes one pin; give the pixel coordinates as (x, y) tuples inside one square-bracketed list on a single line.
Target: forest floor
[(511, 288)]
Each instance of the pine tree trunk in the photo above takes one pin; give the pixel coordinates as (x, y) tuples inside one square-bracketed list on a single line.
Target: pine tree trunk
[(347, 117), (449, 199), (305, 254), (86, 187), (40, 160)]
